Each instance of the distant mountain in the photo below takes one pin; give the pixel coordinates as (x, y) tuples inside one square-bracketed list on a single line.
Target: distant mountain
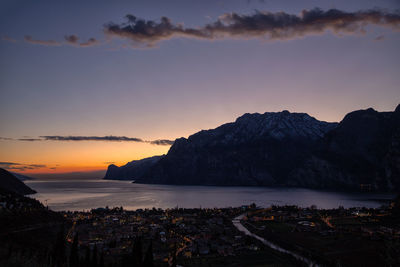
[(282, 149), (21, 177), (11, 183), (131, 170)]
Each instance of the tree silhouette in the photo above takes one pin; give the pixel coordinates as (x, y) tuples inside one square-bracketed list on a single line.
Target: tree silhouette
[(74, 256), (137, 252), (174, 256), (59, 248), (87, 257), (101, 263), (10, 251), (396, 207), (148, 257), (94, 257)]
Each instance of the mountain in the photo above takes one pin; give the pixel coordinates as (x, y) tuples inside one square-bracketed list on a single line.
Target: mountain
[(256, 149), (282, 149), (11, 183), (21, 177), (364, 149), (131, 170)]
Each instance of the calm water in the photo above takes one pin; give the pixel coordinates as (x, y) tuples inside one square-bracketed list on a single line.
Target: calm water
[(88, 194)]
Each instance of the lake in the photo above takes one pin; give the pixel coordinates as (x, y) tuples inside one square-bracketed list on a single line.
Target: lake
[(78, 195)]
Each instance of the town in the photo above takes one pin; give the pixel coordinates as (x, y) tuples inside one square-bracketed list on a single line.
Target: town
[(355, 236), (190, 237), (201, 236)]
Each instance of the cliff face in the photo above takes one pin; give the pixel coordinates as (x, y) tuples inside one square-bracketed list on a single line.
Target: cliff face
[(283, 149), (132, 170), (9, 182), (363, 149), (256, 149)]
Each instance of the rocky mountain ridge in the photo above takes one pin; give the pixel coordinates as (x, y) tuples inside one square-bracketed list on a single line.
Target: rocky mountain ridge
[(282, 149)]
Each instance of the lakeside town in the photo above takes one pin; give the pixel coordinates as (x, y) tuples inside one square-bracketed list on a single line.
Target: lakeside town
[(199, 237)]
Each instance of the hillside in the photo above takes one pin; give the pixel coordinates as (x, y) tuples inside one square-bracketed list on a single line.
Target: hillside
[(282, 149), (9, 182)]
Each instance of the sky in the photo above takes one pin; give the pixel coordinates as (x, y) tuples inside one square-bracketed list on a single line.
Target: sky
[(84, 84)]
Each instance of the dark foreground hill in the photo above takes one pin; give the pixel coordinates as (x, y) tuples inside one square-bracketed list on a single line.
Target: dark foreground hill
[(28, 231), (9, 182), (282, 149)]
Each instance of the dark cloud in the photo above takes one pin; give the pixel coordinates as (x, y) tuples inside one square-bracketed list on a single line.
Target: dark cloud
[(30, 139), (74, 40), (37, 165), (30, 40), (259, 1), (71, 39), (162, 142), (90, 138), (149, 32), (7, 164), (20, 166), (8, 39), (90, 42), (5, 139), (261, 24)]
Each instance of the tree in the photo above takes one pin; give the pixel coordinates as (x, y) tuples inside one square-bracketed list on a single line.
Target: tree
[(396, 207), (94, 256), (87, 257), (101, 263), (10, 251), (174, 257), (137, 252), (74, 256), (148, 257), (59, 248)]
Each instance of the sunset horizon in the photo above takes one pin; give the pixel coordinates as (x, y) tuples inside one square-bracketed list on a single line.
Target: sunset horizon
[(153, 75), (45, 169), (172, 133)]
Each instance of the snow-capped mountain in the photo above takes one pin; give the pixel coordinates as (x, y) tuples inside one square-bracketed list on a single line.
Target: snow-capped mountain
[(277, 125), (282, 149)]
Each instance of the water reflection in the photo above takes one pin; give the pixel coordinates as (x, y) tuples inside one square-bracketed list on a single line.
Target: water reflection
[(88, 194)]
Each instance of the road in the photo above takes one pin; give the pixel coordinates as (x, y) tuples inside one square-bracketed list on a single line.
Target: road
[(236, 222)]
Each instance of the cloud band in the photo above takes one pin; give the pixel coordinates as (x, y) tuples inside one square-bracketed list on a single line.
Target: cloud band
[(160, 142), (261, 24), (20, 166)]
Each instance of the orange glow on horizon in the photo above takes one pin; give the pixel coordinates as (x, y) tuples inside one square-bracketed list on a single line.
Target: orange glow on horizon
[(64, 157), (65, 169)]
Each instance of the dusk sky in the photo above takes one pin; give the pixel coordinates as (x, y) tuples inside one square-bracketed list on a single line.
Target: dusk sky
[(74, 73)]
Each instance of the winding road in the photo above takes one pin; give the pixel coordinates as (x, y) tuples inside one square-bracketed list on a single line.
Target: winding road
[(236, 222)]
